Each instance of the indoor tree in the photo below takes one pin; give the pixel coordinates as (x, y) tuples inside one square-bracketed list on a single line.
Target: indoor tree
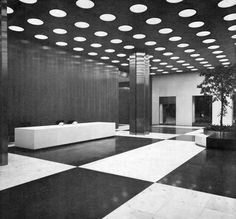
[(219, 83)]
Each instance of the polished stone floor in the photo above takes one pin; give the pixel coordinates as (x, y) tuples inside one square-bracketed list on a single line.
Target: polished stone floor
[(163, 175)]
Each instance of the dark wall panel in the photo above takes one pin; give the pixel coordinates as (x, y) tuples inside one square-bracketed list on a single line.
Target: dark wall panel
[(50, 85), (124, 105)]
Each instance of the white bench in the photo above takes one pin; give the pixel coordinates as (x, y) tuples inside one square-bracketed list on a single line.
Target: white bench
[(201, 139), (37, 137)]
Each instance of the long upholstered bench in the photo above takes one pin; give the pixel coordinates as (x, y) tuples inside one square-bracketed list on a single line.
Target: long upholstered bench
[(37, 137)]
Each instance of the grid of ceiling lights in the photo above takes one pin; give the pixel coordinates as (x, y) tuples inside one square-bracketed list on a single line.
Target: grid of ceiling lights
[(140, 8)]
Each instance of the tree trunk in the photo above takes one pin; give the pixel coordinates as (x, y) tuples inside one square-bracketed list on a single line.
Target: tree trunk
[(221, 111)]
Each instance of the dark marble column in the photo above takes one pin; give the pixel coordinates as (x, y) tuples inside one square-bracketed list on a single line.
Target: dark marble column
[(3, 84), (139, 93)]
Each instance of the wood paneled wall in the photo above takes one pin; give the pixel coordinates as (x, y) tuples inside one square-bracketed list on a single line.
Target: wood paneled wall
[(47, 85)]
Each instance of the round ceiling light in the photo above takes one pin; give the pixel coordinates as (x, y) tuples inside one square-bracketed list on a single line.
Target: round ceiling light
[(9, 10), (82, 24), (59, 31), (179, 71), (190, 67), (225, 63), (211, 67), (160, 48), (100, 33), (175, 38), (16, 28), (223, 60), (195, 55), (61, 43), (232, 28), (220, 56), (213, 47), (217, 52), (199, 59), (121, 55), (174, 58), (125, 28), (154, 67), (57, 13), (183, 45), (92, 54), (96, 45), (139, 36), (78, 49), (230, 17), (40, 36), (116, 41), (204, 62), (165, 30), (234, 36), (163, 63), (85, 4), (128, 47), (180, 61), (189, 50), (203, 33), (169, 66), (80, 39), (109, 50), (165, 72), (150, 43), (174, 1), (185, 64), (196, 24), (156, 60), (115, 61), (35, 21), (209, 41), (28, 1), (108, 17), (138, 8), (207, 65), (194, 69), (153, 21), (105, 58), (160, 70), (124, 64), (226, 3), (168, 53), (187, 13)]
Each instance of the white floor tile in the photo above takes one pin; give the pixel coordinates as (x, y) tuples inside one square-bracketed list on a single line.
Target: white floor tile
[(212, 214), (22, 169), (149, 163)]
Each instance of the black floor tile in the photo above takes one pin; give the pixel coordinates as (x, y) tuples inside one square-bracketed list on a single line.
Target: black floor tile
[(211, 171), (77, 193), (85, 152), (184, 138), (172, 130)]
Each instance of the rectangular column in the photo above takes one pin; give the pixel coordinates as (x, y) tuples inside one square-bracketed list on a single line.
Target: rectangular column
[(3, 84), (139, 93)]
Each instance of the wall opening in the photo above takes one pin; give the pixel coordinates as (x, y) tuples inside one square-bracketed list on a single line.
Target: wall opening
[(167, 109)]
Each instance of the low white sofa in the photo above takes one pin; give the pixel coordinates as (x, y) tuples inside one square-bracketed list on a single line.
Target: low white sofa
[(37, 137)]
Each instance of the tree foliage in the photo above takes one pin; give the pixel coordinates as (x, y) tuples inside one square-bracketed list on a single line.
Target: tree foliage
[(220, 84)]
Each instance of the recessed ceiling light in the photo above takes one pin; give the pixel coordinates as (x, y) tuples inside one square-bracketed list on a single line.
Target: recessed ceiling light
[(213, 47), (180, 61), (174, 58), (81, 24), (96, 45), (175, 38), (207, 65), (224, 60), (179, 71), (203, 62), (190, 67), (80, 39), (121, 55), (232, 28), (211, 67), (168, 53), (92, 54), (174, 69), (57, 13), (78, 49), (154, 67), (16, 28), (124, 64), (183, 45), (226, 3), (109, 50), (61, 43), (85, 4), (217, 52), (220, 56), (163, 63), (150, 43), (125, 28), (153, 21), (107, 17), (105, 58), (174, 1), (195, 55), (128, 47), (160, 48), (45, 47), (189, 50), (40, 36), (115, 61), (150, 56), (138, 8), (35, 21), (196, 24), (169, 66), (187, 13), (116, 41), (165, 30), (139, 36), (185, 64), (9, 10), (100, 33), (59, 31), (203, 33), (225, 63), (160, 70), (194, 69), (230, 17), (156, 60), (209, 41), (234, 36), (199, 59), (28, 1)]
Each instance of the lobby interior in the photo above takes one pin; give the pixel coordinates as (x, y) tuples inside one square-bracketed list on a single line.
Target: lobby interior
[(131, 63)]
